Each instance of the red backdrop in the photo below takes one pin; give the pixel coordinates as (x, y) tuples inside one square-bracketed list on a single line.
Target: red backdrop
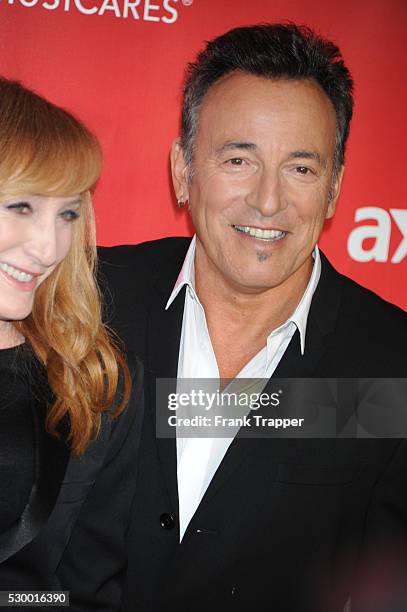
[(118, 64)]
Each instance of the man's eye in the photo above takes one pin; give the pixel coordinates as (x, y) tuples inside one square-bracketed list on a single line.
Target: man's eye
[(236, 161), (303, 170), (20, 207)]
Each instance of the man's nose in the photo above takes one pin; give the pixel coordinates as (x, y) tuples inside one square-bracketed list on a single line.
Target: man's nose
[(42, 244), (266, 194)]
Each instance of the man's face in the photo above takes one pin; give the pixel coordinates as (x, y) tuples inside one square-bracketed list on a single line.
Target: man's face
[(261, 185)]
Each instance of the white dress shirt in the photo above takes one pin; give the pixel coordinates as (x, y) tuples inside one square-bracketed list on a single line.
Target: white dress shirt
[(199, 458)]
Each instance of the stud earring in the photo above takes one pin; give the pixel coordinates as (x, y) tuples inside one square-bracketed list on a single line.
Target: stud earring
[(181, 202)]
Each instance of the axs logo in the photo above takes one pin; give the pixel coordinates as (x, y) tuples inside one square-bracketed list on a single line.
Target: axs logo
[(380, 231)]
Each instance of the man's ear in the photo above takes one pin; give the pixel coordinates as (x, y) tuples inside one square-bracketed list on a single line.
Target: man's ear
[(179, 171), (334, 193)]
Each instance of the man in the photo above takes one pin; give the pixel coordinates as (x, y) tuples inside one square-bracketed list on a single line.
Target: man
[(277, 524)]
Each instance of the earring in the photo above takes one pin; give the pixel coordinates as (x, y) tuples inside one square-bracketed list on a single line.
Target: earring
[(181, 202)]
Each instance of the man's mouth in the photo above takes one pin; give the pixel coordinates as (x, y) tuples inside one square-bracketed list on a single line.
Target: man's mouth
[(19, 275), (269, 235)]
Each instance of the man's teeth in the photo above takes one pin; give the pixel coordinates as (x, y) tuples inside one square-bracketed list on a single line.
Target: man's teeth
[(23, 277), (260, 233)]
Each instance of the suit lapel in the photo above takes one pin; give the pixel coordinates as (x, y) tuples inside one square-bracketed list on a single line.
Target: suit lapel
[(163, 339), (320, 325), (291, 365)]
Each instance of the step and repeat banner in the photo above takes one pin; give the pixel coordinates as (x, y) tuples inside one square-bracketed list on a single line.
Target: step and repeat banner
[(119, 65)]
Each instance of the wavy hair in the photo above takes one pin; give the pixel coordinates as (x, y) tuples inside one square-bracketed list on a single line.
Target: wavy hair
[(46, 151)]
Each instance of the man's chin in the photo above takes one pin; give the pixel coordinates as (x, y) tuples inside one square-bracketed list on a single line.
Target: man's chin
[(252, 283)]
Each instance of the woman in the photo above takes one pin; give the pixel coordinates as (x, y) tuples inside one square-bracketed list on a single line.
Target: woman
[(66, 466)]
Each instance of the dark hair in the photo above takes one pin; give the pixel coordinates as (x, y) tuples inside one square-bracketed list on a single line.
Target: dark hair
[(273, 51)]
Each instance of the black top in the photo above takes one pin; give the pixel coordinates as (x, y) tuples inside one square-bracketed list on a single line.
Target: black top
[(72, 535), (17, 459)]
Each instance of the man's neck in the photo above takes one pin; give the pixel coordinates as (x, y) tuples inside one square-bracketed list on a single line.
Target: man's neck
[(239, 322)]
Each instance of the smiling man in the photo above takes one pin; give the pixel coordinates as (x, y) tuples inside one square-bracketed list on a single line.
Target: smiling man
[(260, 186), (274, 524)]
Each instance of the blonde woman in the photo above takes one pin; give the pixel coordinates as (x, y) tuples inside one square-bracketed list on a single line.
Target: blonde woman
[(68, 443)]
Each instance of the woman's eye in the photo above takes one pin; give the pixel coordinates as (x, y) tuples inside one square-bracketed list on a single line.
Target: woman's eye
[(20, 207), (70, 215)]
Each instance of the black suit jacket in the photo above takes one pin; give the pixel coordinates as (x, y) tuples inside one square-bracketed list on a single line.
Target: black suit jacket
[(284, 522), (72, 535)]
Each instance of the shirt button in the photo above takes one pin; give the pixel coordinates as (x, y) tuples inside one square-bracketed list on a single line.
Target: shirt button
[(167, 521)]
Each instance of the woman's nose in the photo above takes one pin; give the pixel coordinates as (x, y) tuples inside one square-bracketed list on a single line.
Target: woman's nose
[(41, 245)]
